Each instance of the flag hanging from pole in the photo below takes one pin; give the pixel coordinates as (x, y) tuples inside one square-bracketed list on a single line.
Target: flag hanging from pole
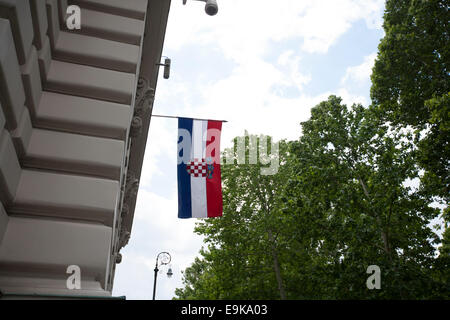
[(199, 177)]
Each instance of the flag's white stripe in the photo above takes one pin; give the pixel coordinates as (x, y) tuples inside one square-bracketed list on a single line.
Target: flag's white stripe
[(198, 184)]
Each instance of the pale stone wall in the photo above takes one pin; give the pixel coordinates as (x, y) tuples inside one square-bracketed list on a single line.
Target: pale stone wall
[(67, 101)]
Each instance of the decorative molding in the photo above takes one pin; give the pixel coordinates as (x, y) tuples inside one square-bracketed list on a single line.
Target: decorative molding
[(145, 95), (125, 210), (124, 238), (130, 192), (131, 186), (136, 127), (143, 104)]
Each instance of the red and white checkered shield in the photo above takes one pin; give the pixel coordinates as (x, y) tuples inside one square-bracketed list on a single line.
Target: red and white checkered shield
[(197, 168)]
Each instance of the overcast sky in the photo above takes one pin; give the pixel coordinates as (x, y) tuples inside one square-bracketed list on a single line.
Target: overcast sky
[(261, 65)]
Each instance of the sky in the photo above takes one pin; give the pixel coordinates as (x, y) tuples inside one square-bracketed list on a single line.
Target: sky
[(259, 64)]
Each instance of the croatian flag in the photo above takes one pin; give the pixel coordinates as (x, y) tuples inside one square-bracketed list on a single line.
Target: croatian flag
[(199, 180)]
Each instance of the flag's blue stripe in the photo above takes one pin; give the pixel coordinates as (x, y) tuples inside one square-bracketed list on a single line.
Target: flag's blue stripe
[(184, 179)]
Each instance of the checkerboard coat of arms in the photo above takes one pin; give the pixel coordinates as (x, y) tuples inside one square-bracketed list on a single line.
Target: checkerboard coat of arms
[(201, 168)]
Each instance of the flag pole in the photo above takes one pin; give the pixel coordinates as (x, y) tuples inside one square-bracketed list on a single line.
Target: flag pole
[(176, 117)]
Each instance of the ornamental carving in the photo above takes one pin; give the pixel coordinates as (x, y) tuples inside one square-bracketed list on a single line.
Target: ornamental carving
[(144, 97), (125, 210), (131, 186), (136, 127), (124, 238)]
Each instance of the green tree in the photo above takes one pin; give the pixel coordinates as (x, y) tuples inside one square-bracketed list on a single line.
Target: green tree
[(411, 89), (413, 59), (243, 259), (351, 193), (198, 282), (442, 265), (411, 82), (341, 201), (434, 148)]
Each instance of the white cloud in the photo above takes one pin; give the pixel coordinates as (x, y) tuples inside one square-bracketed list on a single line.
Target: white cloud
[(247, 99), (252, 96), (360, 74), (293, 76), (243, 29), (350, 99)]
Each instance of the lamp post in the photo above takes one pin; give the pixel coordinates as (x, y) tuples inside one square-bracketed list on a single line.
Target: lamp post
[(162, 258)]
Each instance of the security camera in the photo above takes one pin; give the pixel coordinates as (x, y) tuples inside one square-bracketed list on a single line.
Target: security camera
[(211, 6)]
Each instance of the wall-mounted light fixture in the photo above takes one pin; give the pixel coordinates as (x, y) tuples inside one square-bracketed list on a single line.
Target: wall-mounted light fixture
[(211, 6), (166, 65)]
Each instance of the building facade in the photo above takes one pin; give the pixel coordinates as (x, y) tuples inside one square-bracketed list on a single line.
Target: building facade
[(74, 118)]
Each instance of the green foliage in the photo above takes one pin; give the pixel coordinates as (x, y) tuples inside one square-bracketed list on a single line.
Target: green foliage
[(413, 59), (411, 82), (434, 148), (442, 264), (351, 172)]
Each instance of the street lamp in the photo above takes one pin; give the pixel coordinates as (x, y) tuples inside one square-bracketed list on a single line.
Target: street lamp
[(162, 258)]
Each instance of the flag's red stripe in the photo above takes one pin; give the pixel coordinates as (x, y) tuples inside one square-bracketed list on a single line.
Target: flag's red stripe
[(214, 186)]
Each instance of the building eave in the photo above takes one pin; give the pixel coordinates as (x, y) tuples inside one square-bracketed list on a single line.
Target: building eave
[(153, 41)]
